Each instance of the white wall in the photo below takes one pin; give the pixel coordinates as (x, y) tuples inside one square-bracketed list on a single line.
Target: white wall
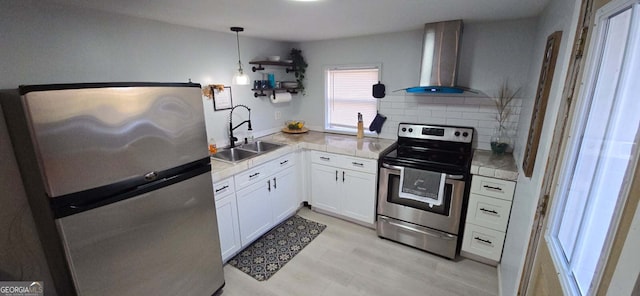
[(559, 15), (490, 53), (45, 43)]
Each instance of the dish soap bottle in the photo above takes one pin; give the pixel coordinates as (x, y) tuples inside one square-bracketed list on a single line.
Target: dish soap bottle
[(360, 134), (213, 148), (249, 137)]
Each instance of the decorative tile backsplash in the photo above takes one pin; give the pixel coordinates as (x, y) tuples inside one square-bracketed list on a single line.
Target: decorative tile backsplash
[(476, 112)]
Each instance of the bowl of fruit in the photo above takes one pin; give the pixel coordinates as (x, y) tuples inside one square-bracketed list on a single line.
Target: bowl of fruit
[(294, 126)]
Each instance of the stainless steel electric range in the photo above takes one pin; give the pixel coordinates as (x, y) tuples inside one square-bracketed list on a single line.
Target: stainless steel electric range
[(446, 150)]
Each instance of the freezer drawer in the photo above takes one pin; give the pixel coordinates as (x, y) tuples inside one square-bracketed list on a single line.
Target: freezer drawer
[(164, 242)]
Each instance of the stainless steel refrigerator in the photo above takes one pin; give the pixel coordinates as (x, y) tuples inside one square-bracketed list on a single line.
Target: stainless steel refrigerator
[(118, 178)]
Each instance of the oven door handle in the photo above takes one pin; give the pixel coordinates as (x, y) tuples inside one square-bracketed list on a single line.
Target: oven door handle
[(442, 236), (394, 167)]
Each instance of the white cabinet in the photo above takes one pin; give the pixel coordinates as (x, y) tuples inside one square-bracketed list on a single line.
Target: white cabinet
[(285, 187), (344, 185), (487, 218), (253, 211), (227, 213), (324, 188), (359, 192), (284, 197), (266, 195)]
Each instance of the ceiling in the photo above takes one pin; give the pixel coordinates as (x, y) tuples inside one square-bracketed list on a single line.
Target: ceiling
[(296, 21)]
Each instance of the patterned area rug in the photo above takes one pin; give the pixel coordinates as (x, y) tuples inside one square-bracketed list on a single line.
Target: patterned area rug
[(274, 249)]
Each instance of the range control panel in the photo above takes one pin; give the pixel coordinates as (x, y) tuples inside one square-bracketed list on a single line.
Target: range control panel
[(436, 132)]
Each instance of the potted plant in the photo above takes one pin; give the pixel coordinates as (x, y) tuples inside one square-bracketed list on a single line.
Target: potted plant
[(501, 141), (299, 66)]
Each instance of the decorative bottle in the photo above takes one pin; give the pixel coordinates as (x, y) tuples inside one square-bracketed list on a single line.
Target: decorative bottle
[(500, 141)]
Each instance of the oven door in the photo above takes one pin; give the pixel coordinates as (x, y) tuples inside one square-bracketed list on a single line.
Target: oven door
[(445, 217)]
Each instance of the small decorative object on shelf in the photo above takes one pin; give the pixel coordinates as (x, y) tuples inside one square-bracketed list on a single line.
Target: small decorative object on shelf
[(262, 88), (500, 140)]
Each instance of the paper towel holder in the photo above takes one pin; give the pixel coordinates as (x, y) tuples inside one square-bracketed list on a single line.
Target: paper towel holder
[(276, 99)]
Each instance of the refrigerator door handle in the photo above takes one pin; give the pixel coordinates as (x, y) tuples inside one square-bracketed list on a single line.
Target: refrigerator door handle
[(62, 207), (151, 176)]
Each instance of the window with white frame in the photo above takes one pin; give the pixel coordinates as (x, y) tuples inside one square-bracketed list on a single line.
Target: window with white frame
[(602, 151), (349, 91)]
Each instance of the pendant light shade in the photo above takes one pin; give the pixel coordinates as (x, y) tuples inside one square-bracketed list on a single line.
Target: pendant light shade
[(240, 78)]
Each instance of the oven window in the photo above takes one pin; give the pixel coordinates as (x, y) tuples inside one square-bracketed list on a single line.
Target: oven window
[(392, 197)]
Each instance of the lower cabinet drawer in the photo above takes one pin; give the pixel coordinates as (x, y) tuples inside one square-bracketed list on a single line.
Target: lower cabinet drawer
[(223, 188), (325, 158), (488, 212), (497, 188), (252, 175), (482, 241), (359, 164)]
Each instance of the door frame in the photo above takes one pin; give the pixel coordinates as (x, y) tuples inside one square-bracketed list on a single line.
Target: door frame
[(565, 111), (553, 169)]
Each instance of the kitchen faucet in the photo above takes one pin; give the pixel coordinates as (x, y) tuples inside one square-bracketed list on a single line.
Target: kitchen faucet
[(233, 139)]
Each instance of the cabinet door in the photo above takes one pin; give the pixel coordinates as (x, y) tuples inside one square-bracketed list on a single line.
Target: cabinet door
[(228, 226), (284, 198), (359, 196), (253, 211), (324, 188)]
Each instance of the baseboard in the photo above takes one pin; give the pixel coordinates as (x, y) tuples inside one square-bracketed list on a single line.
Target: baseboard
[(480, 259), (328, 213), (499, 279)]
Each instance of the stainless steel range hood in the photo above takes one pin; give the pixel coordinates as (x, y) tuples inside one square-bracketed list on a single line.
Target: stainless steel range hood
[(439, 67)]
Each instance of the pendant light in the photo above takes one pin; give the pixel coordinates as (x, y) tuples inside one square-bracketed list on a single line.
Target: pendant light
[(239, 78)]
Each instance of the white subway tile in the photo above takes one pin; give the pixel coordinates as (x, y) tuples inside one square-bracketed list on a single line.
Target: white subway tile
[(400, 105), (453, 114), (393, 111), (477, 115), (487, 123), (462, 122), (417, 112), (487, 109), (449, 100), (479, 101), (432, 120), (463, 108), (483, 131)]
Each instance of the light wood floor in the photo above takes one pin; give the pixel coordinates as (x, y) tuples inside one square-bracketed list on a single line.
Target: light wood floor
[(348, 259)]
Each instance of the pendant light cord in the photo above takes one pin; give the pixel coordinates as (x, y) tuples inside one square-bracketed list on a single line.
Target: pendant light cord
[(239, 61)]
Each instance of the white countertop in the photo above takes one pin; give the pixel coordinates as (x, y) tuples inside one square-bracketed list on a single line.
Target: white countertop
[(487, 164), (312, 140), (484, 162)]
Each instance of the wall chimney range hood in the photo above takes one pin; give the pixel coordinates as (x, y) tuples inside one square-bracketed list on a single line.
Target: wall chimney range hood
[(439, 67)]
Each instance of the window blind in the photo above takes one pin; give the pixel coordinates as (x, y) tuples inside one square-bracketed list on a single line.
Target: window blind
[(349, 91)]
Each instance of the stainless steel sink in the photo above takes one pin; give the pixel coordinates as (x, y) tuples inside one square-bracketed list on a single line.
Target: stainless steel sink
[(234, 154), (261, 146)]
